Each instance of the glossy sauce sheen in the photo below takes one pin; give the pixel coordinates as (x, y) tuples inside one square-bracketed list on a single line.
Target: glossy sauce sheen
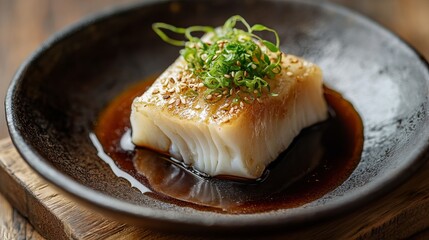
[(319, 160)]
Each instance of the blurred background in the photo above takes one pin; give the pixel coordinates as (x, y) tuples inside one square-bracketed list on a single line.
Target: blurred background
[(25, 24)]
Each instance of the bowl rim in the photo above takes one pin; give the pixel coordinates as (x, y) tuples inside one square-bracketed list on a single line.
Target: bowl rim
[(153, 217)]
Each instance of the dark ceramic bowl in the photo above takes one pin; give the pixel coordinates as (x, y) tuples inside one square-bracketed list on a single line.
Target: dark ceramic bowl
[(57, 94)]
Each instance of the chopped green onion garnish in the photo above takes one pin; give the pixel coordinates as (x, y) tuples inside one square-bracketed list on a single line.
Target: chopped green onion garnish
[(228, 58)]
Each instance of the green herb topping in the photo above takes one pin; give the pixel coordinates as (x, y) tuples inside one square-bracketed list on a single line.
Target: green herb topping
[(228, 58)]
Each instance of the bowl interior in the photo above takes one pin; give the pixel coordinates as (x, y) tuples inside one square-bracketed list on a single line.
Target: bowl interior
[(57, 96)]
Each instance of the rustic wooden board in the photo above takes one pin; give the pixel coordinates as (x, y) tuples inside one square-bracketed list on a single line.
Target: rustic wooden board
[(401, 214), (54, 215), (13, 225)]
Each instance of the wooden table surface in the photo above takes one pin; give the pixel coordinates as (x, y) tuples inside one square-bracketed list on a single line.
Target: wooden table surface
[(25, 24)]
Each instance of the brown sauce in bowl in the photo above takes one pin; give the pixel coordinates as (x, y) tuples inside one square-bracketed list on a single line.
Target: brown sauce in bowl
[(320, 158)]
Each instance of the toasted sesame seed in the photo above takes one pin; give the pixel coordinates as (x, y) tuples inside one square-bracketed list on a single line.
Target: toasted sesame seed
[(255, 91), (171, 80), (209, 97), (171, 90), (293, 60), (253, 66), (289, 74), (238, 63), (227, 76), (165, 96), (224, 106), (183, 100), (177, 102), (171, 101), (155, 91), (225, 92), (200, 85), (306, 74), (197, 106), (241, 104)]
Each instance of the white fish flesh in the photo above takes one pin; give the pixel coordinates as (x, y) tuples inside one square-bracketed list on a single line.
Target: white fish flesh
[(227, 138)]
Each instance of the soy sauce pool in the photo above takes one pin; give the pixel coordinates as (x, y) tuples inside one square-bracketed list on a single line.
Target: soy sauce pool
[(318, 161)]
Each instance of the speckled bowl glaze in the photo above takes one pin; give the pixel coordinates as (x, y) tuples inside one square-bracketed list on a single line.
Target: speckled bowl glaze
[(57, 94)]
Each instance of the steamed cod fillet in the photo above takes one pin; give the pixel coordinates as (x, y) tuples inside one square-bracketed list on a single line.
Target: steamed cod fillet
[(227, 138)]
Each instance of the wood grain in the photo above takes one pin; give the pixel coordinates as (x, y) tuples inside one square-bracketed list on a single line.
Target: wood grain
[(13, 225), (400, 214), (54, 215)]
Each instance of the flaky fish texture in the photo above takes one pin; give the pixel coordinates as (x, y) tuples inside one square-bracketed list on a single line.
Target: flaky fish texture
[(218, 135)]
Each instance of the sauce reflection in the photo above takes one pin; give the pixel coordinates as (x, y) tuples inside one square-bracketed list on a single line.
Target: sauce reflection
[(319, 160)]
